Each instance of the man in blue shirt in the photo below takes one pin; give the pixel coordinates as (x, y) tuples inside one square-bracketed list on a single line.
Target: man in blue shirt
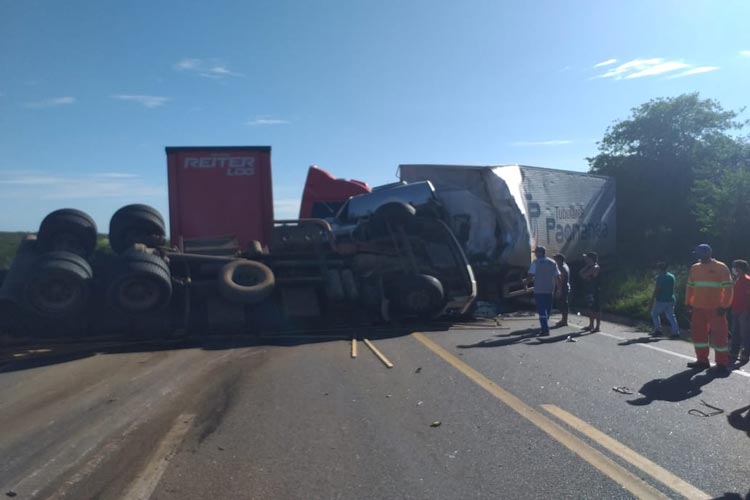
[(546, 278), (663, 301)]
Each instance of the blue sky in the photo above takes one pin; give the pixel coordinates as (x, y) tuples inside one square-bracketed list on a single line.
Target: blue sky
[(92, 92)]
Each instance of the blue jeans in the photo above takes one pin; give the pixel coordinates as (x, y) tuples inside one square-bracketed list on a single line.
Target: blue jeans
[(666, 308), (544, 308)]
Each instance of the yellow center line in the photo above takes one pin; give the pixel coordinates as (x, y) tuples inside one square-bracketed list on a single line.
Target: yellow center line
[(654, 470), (597, 459), (377, 353)]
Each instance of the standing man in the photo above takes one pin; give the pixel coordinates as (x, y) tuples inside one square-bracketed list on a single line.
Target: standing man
[(563, 292), (546, 278), (663, 301), (590, 276), (740, 313), (708, 298)]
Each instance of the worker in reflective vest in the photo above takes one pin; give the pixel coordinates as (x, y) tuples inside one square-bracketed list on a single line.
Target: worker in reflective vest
[(708, 299)]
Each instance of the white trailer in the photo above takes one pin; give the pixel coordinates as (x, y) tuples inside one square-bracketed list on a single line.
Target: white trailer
[(501, 213)]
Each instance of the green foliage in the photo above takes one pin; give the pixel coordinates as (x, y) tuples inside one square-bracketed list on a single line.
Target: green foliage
[(672, 160), (627, 292), (8, 245)]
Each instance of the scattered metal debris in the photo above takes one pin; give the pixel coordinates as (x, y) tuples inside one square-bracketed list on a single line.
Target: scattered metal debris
[(698, 413), (436, 423), (418, 370), (11, 493), (570, 339), (623, 390), (420, 403)]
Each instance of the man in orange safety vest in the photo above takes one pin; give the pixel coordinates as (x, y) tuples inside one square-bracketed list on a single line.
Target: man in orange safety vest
[(708, 298)]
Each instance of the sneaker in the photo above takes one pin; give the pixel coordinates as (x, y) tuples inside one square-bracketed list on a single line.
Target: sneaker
[(703, 365), (675, 336), (560, 324), (744, 359), (655, 333), (544, 334)]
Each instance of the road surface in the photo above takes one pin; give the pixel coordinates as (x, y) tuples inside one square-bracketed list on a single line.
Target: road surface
[(472, 412)]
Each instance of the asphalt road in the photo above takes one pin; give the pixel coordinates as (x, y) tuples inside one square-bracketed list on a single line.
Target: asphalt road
[(466, 413)]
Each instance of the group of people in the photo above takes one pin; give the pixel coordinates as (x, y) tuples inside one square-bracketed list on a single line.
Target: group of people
[(712, 293), (552, 281)]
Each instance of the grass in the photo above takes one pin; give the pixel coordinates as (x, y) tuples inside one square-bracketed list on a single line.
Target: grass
[(627, 292), (9, 244)]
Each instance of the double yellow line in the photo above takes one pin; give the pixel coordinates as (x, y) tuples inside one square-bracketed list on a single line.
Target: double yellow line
[(634, 484)]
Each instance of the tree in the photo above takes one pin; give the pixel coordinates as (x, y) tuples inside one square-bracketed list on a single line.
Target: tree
[(664, 158)]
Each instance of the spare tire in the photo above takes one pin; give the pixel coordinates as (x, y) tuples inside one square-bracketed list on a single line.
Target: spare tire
[(68, 230), (245, 281), (136, 224), (59, 284), (141, 282), (421, 295)]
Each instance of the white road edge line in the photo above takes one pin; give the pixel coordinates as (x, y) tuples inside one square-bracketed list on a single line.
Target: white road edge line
[(146, 482), (667, 351)]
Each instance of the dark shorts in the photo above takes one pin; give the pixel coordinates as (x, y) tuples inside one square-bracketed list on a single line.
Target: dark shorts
[(592, 302)]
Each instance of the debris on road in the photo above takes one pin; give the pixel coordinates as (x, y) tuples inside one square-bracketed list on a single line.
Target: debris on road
[(570, 339), (10, 494), (623, 390), (418, 370), (698, 413), (436, 423), (420, 403)]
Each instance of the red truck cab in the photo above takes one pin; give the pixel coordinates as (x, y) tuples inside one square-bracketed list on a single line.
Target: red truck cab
[(325, 194)]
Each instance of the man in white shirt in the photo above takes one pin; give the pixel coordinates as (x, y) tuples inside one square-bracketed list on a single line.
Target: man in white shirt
[(546, 276)]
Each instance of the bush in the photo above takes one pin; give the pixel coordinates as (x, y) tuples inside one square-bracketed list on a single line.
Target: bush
[(627, 290)]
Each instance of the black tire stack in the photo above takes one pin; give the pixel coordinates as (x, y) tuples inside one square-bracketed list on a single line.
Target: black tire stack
[(140, 280), (59, 281)]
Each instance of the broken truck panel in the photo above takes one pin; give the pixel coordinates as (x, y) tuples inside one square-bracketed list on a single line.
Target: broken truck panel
[(501, 213)]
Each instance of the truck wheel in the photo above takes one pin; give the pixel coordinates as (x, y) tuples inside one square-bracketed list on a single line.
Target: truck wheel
[(245, 281), (59, 284), (393, 214), (141, 282), (136, 224), (68, 230), (421, 295)]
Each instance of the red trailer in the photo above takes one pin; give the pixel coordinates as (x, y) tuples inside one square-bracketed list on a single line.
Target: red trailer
[(219, 192)]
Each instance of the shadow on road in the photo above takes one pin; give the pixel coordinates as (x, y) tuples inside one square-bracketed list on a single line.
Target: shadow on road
[(740, 422), (522, 337), (733, 496), (679, 387), (34, 353)]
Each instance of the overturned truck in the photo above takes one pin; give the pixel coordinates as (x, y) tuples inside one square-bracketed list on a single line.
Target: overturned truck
[(501, 213), (228, 266)]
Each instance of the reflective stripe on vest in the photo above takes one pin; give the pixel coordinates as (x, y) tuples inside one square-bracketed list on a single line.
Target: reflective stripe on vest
[(720, 349), (710, 284), (700, 344)]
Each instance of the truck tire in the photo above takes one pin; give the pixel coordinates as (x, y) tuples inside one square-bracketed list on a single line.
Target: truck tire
[(394, 214), (136, 224), (141, 282), (59, 284), (421, 295), (245, 281), (68, 230)]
